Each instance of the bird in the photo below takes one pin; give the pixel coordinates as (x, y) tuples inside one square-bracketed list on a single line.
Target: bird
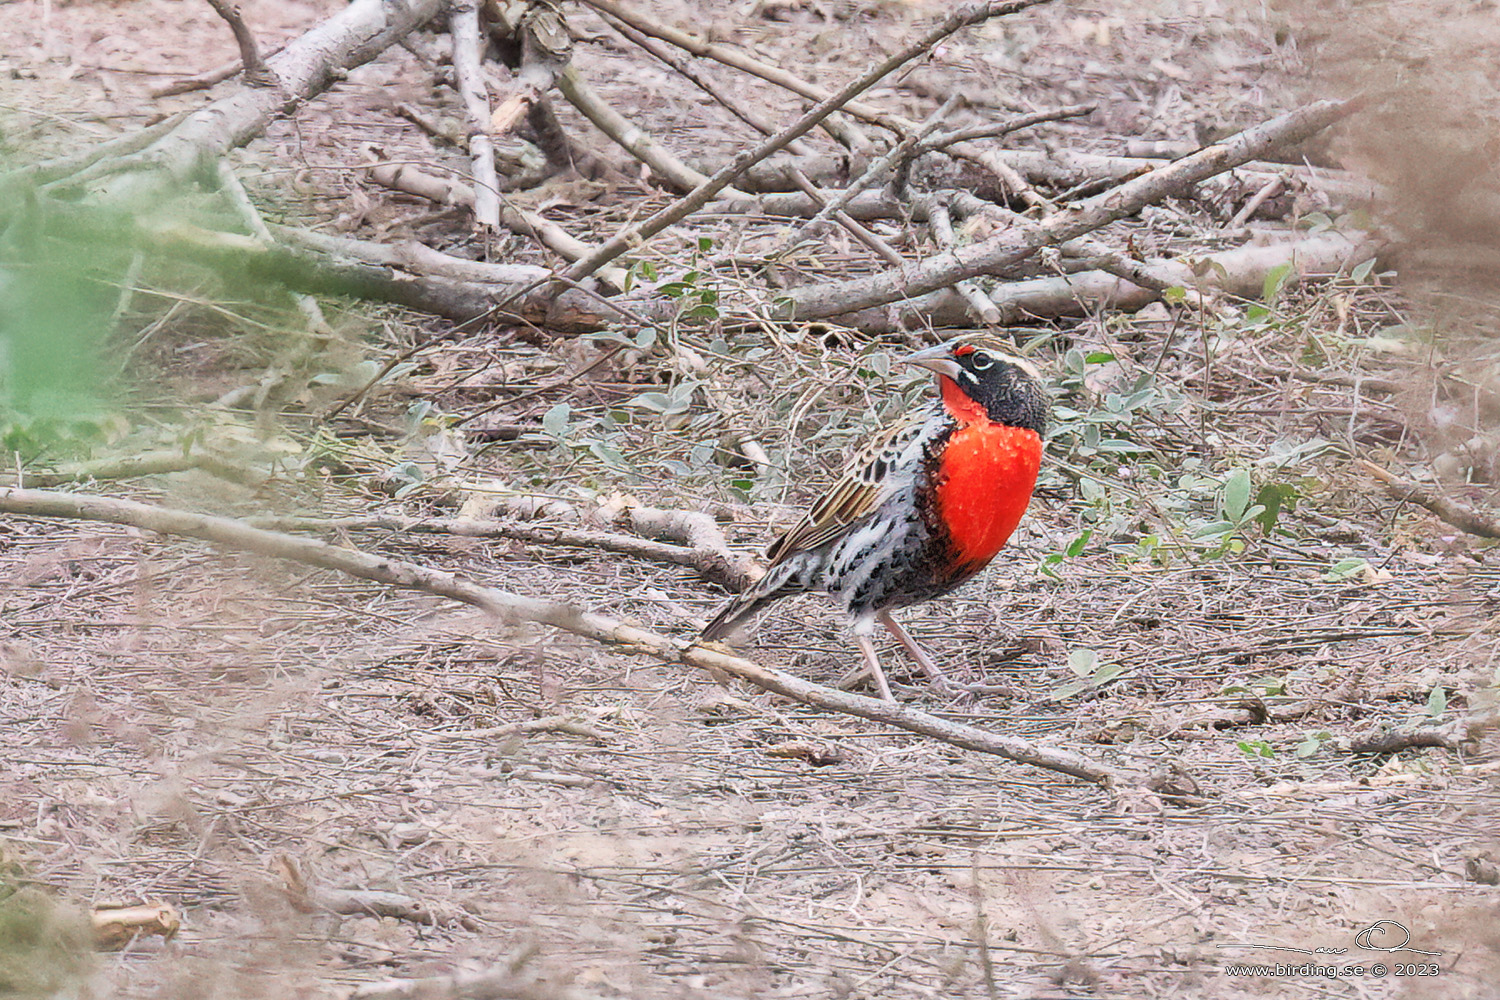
[(922, 508)]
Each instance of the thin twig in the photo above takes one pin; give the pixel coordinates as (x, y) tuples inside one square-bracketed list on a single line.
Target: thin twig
[(689, 72), (860, 232), (257, 73), (941, 226), (229, 182), (995, 130), (701, 195)]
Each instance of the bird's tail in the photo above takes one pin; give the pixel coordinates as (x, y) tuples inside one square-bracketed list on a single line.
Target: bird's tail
[(781, 580), (738, 611)]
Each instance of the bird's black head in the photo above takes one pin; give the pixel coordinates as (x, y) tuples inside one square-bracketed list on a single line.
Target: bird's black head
[(1009, 389)]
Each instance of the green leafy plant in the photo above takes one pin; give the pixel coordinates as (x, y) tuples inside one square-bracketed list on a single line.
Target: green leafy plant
[(1090, 671), (1256, 748)]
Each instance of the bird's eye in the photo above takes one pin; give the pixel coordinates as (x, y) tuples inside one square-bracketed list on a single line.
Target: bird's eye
[(979, 361)]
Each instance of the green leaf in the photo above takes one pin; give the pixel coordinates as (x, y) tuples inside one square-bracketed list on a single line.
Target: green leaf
[(1176, 295), (1273, 498), (646, 339), (658, 402), (1076, 546), (1345, 569), (1067, 690), (705, 244), (1107, 673), (1083, 661), (1237, 494), (1276, 279), (1362, 271), (1311, 744), (555, 420), (1316, 222), (1437, 702)]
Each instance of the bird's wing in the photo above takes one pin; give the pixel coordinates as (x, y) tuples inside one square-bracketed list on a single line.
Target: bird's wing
[(866, 483)]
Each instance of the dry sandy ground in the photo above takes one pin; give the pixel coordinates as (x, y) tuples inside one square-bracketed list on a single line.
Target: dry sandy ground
[(188, 727)]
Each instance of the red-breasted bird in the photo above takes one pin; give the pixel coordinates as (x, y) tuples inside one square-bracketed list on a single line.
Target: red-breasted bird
[(923, 508)]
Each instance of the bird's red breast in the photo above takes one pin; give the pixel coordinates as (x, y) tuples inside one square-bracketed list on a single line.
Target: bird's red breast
[(985, 477)]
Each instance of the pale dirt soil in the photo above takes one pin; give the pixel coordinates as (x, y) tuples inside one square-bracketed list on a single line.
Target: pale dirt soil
[(177, 721)]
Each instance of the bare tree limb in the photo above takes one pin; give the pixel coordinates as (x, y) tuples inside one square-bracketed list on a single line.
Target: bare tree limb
[(546, 47), (941, 225), (446, 191), (1011, 247), (715, 659), (200, 81), (995, 130), (229, 182), (1463, 517), (621, 242), (881, 248)]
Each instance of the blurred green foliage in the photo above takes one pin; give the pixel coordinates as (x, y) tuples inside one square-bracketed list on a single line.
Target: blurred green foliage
[(57, 297)]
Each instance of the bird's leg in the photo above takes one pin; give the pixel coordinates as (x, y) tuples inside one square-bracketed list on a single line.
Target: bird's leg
[(924, 659), (868, 648)]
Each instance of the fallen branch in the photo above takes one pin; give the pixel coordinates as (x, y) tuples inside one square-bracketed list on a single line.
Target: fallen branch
[(841, 130), (1011, 247), (738, 59), (891, 159), (701, 195), (308, 898), (1243, 275), (463, 30), (881, 248), (546, 47), (715, 564), (229, 183), (151, 463), (445, 191), (200, 81), (715, 659), (626, 134), (941, 226), (1460, 516)]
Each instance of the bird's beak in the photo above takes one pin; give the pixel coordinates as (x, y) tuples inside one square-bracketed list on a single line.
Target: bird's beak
[(937, 359)]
